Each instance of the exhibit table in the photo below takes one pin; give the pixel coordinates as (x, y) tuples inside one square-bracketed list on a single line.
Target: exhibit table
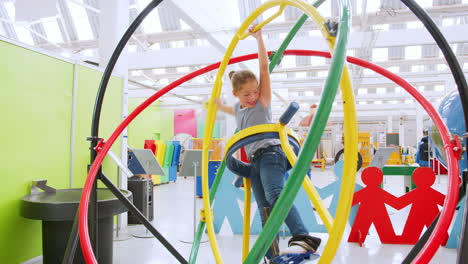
[(57, 211)]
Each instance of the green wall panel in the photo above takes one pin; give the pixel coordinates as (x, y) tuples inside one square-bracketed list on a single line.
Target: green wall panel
[(36, 107), (88, 83), (151, 121), (36, 131)]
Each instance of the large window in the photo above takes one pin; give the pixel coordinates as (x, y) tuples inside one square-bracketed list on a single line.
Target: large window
[(52, 30), (81, 20)]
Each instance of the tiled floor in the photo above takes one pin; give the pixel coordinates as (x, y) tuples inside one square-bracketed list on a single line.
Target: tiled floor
[(174, 214)]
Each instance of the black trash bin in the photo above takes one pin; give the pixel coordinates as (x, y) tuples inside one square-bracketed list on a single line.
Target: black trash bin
[(57, 211)]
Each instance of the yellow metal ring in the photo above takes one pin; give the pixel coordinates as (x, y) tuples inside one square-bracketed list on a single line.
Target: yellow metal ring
[(350, 132), (258, 129)]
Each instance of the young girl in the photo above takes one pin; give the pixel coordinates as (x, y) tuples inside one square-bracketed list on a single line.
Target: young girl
[(268, 161)]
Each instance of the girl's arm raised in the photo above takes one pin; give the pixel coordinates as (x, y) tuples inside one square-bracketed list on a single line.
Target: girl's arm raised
[(264, 75), (224, 108)]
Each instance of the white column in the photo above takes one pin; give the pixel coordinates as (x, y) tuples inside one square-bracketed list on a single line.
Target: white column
[(113, 19), (401, 130), (419, 125), (389, 124)]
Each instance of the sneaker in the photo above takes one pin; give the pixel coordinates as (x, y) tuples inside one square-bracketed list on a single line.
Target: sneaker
[(301, 244)]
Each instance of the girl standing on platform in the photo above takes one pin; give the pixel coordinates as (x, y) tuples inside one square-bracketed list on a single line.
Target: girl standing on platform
[(268, 161)]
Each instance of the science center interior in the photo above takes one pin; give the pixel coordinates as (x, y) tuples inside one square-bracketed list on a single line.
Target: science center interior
[(235, 131)]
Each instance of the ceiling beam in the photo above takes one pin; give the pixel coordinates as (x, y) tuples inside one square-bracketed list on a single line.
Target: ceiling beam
[(316, 68), (304, 84), (384, 16), (206, 55), (207, 20)]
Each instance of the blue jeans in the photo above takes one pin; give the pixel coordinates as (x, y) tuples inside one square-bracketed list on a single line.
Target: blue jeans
[(267, 173)]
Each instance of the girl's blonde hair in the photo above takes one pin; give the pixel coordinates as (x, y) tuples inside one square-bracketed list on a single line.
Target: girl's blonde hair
[(238, 78)]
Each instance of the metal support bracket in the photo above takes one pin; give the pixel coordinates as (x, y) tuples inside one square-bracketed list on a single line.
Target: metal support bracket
[(38, 185)]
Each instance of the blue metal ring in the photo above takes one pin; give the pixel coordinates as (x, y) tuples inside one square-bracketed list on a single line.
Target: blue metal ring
[(250, 139)]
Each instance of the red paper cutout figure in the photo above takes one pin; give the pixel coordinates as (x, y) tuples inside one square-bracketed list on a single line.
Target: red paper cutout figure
[(424, 208), (372, 200)]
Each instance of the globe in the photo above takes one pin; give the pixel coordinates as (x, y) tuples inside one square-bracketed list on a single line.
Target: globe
[(451, 111)]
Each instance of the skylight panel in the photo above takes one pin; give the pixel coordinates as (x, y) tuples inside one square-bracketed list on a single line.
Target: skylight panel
[(147, 82), (151, 24), (373, 6), (417, 68), (184, 25), (52, 30), (201, 42), (159, 71), (177, 44), (446, 22), (368, 72), (317, 61), (288, 62), (2, 30), (414, 24), (278, 76), (382, 27), (413, 52), (183, 69), (322, 73), (325, 9), (132, 48), (66, 54), (199, 79), (268, 13), (441, 67), (358, 6), (424, 3), (439, 88), (381, 90), (380, 54), (81, 21), (301, 75), (156, 46), (87, 53), (23, 35), (164, 81), (313, 33), (10, 8), (136, 73)]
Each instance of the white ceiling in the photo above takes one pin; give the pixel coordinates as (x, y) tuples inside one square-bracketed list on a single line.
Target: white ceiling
[(183, 35)]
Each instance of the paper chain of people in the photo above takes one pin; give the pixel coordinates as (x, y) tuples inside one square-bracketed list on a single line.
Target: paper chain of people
[(369, 207), (372, 199)]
